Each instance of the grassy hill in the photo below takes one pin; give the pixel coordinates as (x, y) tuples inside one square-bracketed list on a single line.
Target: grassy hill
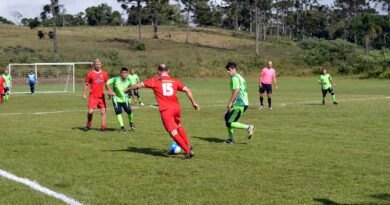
[(206, 54)]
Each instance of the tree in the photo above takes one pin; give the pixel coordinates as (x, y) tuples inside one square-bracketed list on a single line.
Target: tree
[(367, 25), (125, 6), (100, 15), (188, 8), (5, 21), (52, 9)]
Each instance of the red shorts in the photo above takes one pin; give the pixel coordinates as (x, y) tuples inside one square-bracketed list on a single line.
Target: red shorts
[(94, 103), (171, 119)]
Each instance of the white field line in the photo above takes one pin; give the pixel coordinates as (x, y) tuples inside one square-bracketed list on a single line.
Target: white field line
[(38, 187), (215, 105)]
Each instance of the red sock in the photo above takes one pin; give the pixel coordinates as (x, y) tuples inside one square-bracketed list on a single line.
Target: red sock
[(89, 123), (183, 134), (178, 139), (103, 127), (1, 98)]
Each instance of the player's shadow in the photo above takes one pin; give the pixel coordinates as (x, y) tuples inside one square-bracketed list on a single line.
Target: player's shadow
[(93, 128), (214, 140), (142, 150), (382, 196)]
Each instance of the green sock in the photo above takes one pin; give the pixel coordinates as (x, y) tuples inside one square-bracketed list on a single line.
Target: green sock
[(130, 117), (238, 125), (230, 132), (334, 97), (139, 100), (6, 98), (120, 120)]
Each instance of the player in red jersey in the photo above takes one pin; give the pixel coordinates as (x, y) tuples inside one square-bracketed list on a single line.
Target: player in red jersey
[(2, 82), (96, 79), (165, 89)]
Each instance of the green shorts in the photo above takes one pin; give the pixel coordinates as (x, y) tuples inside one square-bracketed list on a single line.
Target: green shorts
[(234, 114)]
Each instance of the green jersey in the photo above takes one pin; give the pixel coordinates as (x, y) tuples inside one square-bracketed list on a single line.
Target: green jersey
[(119, 86), (134, 79), (237, 81), (8, 79), (326, 80)]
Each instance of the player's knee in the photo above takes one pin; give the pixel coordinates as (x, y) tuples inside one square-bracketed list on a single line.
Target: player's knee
[(228, 124), (332, 93), (173, 133)]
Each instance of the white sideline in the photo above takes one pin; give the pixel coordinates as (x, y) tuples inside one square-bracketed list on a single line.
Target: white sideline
[(38, 187)]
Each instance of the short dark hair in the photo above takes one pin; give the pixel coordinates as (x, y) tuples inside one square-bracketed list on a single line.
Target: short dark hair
[(162, 67), (231, 65), (124, 69)]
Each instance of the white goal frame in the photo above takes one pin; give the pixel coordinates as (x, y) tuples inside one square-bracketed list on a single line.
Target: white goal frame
[(35, 65)]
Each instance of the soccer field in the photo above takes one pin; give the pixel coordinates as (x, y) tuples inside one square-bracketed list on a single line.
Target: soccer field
[(302, 152)]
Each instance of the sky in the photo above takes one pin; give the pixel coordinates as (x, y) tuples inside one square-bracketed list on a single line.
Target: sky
[(32, 8)]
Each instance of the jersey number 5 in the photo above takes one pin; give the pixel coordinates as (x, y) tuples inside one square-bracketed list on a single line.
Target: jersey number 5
[(167, 89)]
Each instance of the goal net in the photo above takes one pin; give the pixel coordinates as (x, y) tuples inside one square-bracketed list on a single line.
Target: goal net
[(50, 77)]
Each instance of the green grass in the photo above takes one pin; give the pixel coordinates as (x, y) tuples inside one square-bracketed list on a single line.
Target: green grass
[(302, 152)]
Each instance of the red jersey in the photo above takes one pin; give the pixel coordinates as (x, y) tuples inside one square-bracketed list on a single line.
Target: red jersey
[(165, 89), (96, 81), (2, 81)]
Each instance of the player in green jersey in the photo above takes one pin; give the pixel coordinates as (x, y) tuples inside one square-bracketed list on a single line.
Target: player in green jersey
[(120, 99), (237, 104), (133, 77), (326, 82), (7, 88)]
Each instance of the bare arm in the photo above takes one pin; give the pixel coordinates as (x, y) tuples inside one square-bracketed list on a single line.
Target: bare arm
[(260, 78), (135, 86), (108, 87), (191, 98), (234, 96), (276, 83), (84, 91)]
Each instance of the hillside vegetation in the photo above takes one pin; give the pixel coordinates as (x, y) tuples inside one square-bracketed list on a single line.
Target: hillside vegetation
[(203, 57), (206, 54)]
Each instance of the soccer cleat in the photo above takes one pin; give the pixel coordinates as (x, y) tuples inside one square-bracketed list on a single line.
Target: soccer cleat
[(335, 103), (142, 104), (189, 155), (270, 108), (132, 126), (86, 128), (122, 130), (229, 141), (261, 107), (190, 146), (251, 130)]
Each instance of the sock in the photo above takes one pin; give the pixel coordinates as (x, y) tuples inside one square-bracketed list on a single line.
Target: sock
[(178, 139), (103, 127), (1, 98), (120, 119), (183, 134), (261, 100), (6, 98), (139, 100), (89, 116), (130, 117), (230, 132), (239, 125), (269, 102), (334, 97)]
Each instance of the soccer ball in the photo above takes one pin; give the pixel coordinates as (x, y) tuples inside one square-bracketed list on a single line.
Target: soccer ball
[(175, 148)]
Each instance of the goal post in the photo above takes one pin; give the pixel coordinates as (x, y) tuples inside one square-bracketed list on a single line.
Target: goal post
[(50, 77)]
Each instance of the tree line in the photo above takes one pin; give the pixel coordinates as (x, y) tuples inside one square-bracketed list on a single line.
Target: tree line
[(362, 22)]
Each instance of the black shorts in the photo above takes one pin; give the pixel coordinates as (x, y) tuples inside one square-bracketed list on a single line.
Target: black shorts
[(234, 114), (329, 90), (136, 93), (265, 88), (6, 89), (118, 107)]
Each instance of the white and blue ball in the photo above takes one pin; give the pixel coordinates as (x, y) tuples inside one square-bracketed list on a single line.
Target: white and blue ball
[(175, 148)]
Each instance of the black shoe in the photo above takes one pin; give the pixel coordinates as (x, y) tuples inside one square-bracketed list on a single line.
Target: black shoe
[(190, 146), (335, 103), (132, 127), (229, 141), (122, 130), (323, 102), (86, 128), (189, 155)]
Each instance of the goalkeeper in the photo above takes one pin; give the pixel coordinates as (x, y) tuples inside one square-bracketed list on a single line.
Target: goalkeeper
[(120, 99)]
